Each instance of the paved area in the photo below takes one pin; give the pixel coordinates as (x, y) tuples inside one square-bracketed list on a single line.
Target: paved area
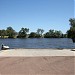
[(46, 65), (37, 62)]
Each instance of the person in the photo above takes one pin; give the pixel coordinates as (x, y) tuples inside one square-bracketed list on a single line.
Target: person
[(2, 47)]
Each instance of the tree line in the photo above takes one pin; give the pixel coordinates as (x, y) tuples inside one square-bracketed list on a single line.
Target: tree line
[(23, 33)]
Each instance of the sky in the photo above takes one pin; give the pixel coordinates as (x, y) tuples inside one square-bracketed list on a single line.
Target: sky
[(34, 14)]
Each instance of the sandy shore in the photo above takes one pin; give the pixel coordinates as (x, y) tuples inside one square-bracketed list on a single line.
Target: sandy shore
[(37, 62), (37, 52)]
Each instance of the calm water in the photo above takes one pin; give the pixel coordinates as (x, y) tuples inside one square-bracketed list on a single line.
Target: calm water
[(38, 43)]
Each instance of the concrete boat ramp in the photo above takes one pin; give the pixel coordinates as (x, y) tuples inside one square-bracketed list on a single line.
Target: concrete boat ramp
[(37, 62)]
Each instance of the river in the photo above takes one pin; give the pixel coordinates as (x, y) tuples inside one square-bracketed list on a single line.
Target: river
[(38, 43)]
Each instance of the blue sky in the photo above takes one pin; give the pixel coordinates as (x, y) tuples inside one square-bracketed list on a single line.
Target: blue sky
[(34, 14)]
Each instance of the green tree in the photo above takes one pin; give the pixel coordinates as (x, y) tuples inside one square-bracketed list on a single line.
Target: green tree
[(11, 32), (32, 35), (47, 35), (58, 34), (42, 32), (39, 33), (0, 32), (23, 33), (71, 31), (53, 34), (72, 22), (3, 33)]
